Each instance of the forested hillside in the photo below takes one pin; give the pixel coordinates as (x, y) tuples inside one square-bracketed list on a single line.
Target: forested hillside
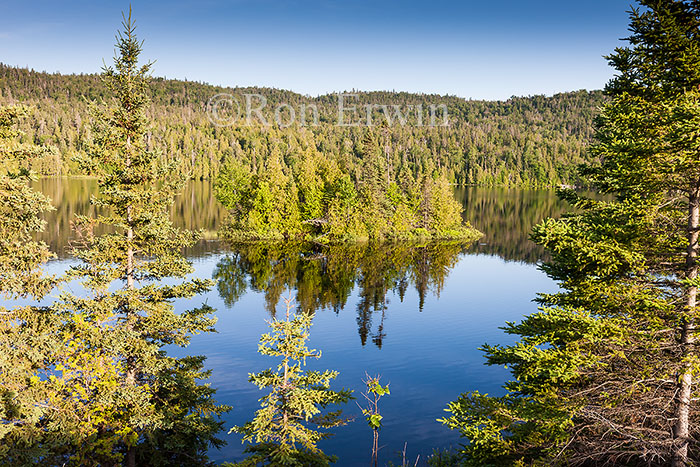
[(531, 141)]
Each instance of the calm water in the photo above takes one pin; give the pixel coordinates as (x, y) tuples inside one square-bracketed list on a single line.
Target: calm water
[(416, 316)]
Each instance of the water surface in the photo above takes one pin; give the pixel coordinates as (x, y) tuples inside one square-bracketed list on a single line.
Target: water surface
[(416, 315)]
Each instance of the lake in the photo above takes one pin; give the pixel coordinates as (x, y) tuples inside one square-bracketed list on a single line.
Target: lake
[(416, 315)]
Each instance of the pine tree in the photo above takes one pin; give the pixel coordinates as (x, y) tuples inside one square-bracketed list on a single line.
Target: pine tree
[(166, 417), (295, 402), (604, 373)]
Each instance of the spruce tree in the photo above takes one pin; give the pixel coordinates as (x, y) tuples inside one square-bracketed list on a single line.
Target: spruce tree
[(290, 422), (21, 259), (604, 373), (133, 270), (54, 390), (21, 209)]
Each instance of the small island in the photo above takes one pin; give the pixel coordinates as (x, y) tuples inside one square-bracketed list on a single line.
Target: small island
[(298, 193)]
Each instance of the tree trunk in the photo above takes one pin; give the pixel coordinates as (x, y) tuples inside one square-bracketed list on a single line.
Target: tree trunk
[(681, 430), (131, 457), (130, 367), (130, 364), (375, 448)]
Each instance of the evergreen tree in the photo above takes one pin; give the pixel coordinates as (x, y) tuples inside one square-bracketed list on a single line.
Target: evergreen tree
[(20, 261), (604, 373), (52, 386), (21, 209), (165, 416), (295, 402)]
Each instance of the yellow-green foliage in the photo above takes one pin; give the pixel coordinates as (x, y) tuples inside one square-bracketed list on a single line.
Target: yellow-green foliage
[(86, 381), (290, 422), (306, 195)]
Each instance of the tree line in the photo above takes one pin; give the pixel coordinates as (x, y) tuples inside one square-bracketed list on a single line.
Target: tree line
[(523, 141)]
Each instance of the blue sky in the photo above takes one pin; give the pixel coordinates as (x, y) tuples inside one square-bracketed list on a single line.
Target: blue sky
[(473, 49)]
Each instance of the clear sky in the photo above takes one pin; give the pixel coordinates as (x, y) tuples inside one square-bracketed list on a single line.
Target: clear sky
[(474, 49)]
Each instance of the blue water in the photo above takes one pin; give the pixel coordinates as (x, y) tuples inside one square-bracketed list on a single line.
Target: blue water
[(428, 356)]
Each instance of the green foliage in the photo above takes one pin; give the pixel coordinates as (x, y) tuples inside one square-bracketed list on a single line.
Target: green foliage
[(155, 408), (547, 365), (20, 213), (603, 372), (374, 419), (190, 424), (36, 421), (306, 195), (52, 381), (86, 381), (282, 428), (444, 458), (524, 141), (375, 392), (196, 208)]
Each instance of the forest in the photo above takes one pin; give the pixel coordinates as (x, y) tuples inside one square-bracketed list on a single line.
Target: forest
[(605, 372), (524, 141)]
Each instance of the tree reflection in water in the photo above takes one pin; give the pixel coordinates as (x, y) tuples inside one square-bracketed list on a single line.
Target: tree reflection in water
[(324, 276)]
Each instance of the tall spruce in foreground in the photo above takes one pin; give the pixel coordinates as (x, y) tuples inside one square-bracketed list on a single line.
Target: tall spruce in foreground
[(605, 372), (290, 422), (165, 416)]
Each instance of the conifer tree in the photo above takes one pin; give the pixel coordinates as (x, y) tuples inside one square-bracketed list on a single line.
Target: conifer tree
[(52, 386), (21, 259), (166, 416), (282, 427), (20, 255), (604, 373)]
